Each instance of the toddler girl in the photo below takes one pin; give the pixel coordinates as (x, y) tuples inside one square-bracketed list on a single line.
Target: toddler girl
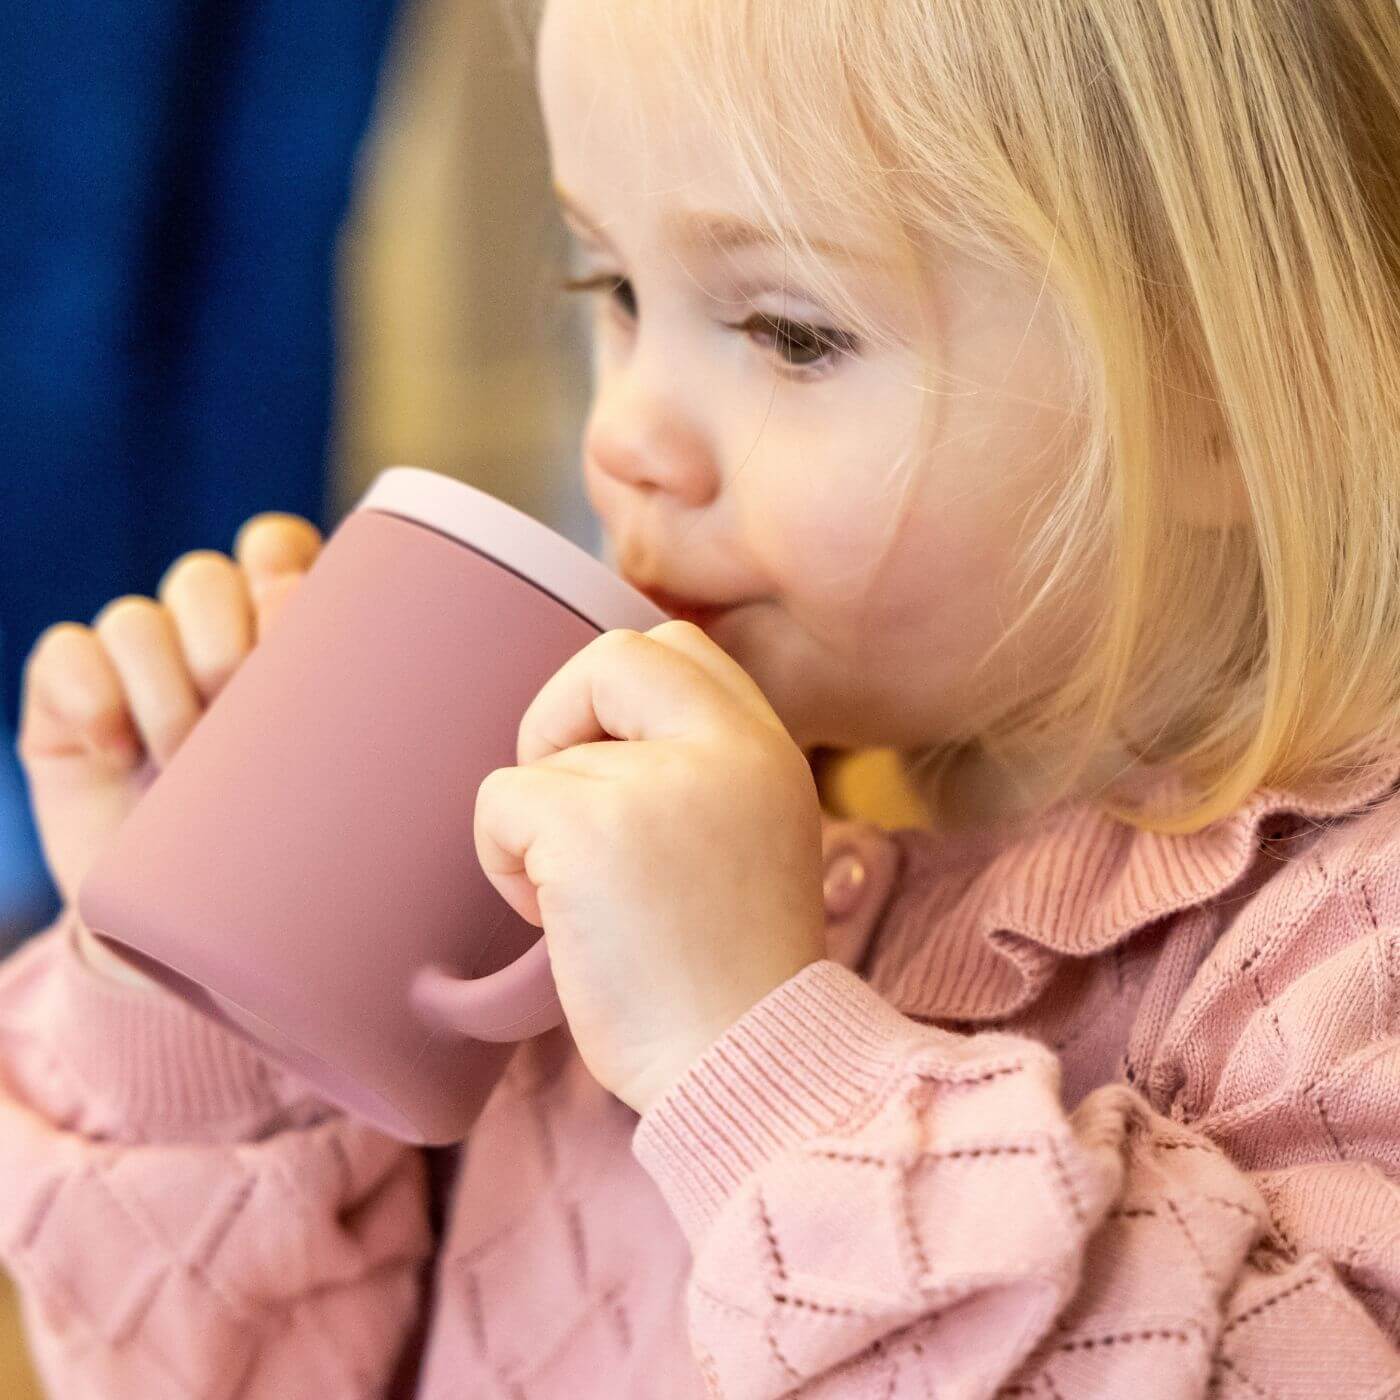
[(1014, 387)]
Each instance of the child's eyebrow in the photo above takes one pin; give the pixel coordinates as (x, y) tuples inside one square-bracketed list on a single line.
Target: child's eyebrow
[(703, 232)]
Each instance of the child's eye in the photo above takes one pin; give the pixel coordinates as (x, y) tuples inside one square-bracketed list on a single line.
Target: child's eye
[(619, 287), (801, 347)]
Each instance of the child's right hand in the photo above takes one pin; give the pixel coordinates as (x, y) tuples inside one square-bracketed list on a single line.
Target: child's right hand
[(104, 707)]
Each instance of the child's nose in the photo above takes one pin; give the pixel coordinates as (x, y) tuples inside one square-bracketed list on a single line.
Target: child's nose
[(644, 443)]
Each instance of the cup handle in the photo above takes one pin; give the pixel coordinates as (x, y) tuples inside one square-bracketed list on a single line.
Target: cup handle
[(514, 1003)]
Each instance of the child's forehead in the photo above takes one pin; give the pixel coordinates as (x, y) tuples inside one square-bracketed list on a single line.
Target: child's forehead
[(641, 159), (615, 164), (609, 73)]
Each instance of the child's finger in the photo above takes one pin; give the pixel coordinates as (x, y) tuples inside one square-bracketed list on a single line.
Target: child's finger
[(140, 638), (275, 543), (73, 699), (272, 548), (207, 596)]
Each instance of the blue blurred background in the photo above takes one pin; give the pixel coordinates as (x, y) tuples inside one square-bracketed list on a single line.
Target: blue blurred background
[(252, 251), (172, 180)]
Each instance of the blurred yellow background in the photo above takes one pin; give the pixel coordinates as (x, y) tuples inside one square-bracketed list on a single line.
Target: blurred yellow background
[(16, 1382)]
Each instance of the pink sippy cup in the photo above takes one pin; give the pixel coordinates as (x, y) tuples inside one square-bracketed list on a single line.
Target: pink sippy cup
[(303, 870)]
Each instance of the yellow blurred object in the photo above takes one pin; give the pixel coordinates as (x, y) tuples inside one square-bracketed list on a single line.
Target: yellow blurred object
[(868, 784), (16, 1378)]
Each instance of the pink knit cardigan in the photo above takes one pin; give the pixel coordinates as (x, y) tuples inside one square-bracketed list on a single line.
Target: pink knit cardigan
[(1068, 1111)]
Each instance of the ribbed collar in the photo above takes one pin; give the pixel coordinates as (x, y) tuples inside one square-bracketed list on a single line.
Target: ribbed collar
[(972, 925)]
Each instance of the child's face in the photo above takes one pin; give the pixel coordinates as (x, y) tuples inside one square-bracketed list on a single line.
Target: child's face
[(724, 470)]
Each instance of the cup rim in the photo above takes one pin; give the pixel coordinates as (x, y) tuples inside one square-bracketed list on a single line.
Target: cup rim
[(518, 541)]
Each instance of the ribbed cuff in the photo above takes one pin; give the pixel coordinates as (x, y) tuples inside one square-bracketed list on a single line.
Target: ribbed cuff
[(794, 1066), (149, 1062)]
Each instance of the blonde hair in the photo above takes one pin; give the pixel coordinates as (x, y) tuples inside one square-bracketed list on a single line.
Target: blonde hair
[(1208, 197)]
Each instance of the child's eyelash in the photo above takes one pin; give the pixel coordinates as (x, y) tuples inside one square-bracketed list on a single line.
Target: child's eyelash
[(598, 282), (786, 336)]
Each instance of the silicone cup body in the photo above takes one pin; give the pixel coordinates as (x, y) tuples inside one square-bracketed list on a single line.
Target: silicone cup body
[(303, 870), (519, 1000)]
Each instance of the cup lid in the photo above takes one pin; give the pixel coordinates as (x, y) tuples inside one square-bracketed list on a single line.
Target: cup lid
[(517, 541)]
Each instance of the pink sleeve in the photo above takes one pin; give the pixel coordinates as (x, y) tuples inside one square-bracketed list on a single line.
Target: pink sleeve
[(879, 1207), (177, 1214)]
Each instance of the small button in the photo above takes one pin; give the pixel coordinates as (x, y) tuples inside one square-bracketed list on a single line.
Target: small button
[(843, 883)]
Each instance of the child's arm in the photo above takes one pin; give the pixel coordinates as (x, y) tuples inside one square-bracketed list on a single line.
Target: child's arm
[(183, 1220), (880, 1207)]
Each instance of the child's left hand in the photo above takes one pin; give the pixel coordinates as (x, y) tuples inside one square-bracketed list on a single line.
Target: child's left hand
[(676, 874)]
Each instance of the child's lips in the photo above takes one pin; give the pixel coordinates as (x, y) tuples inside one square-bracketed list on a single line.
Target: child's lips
[(704, 618), (703, 615)]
